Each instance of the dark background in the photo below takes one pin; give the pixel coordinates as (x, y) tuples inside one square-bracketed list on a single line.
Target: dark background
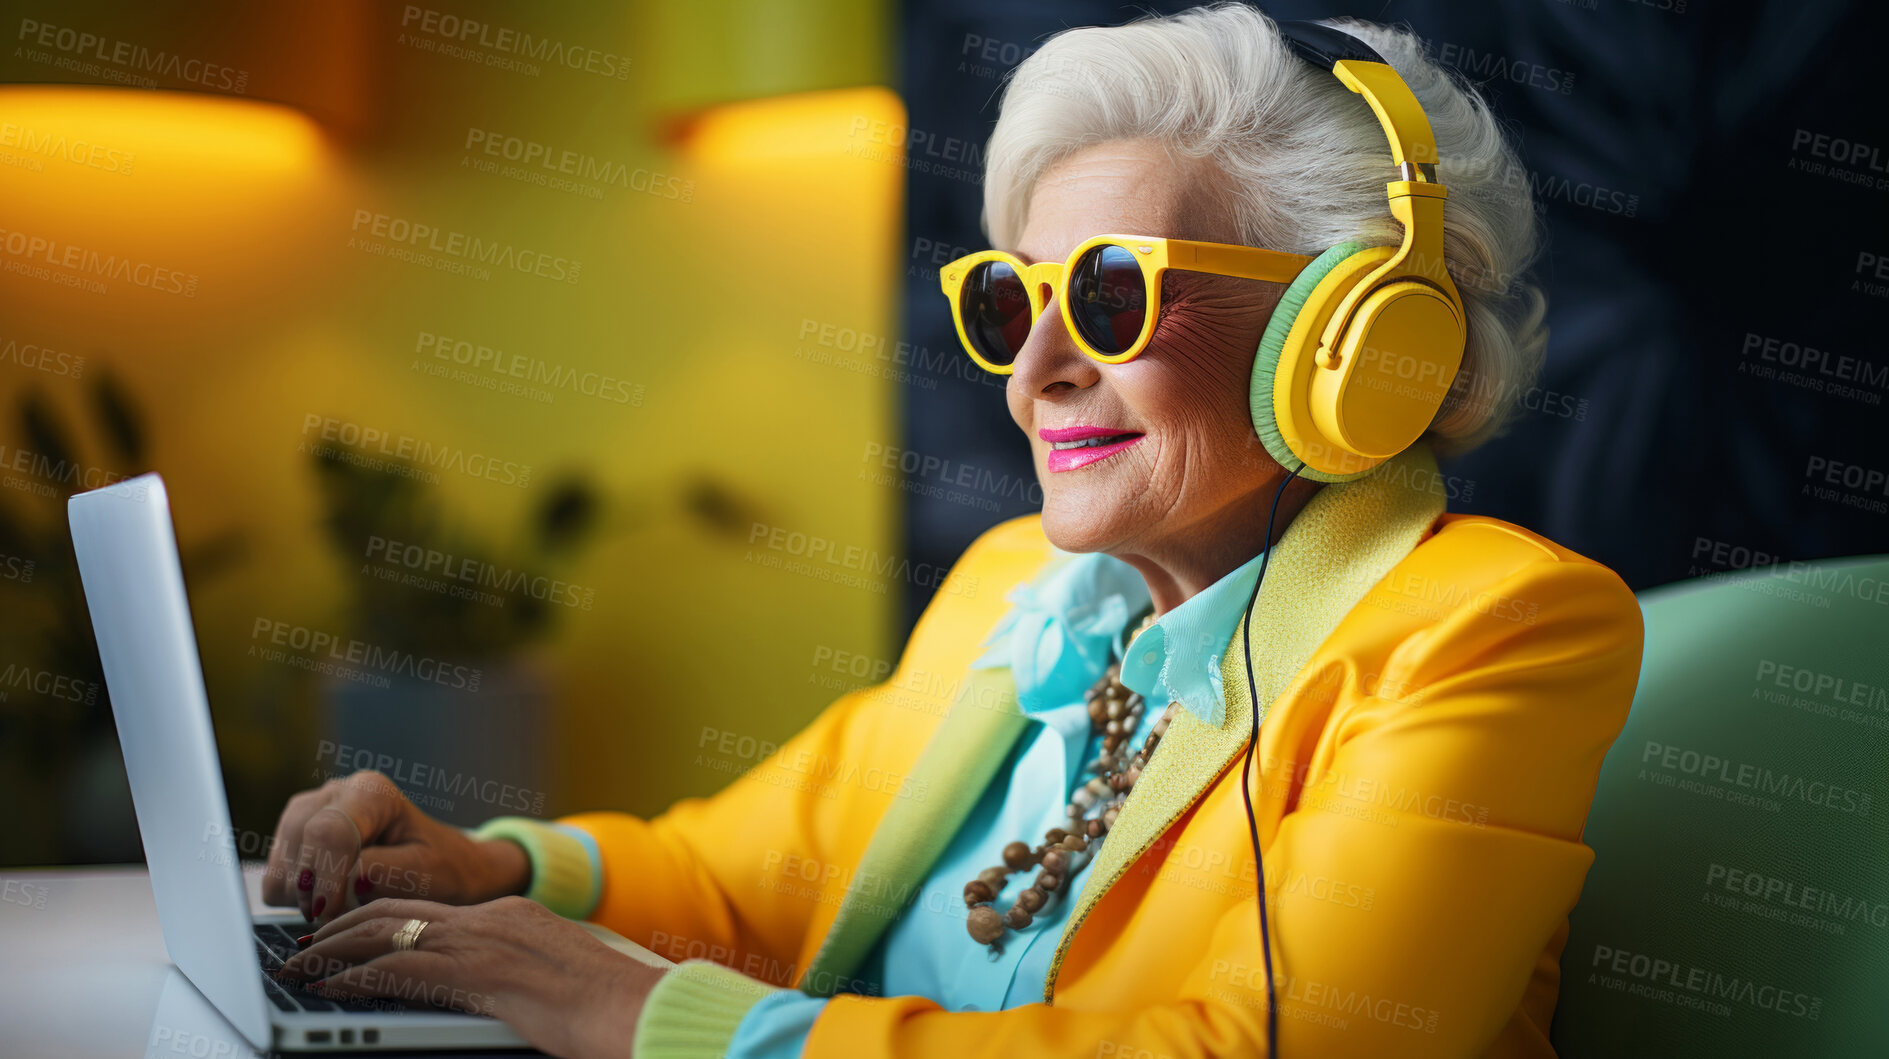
[(1672, 150)]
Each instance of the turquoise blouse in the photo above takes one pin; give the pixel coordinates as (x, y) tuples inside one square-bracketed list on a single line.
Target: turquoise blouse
[(1057, 640)]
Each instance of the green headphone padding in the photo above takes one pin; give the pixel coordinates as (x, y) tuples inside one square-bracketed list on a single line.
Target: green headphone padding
[(1267, 359)]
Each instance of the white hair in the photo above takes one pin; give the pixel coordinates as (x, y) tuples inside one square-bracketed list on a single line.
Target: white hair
[(1304, 161)]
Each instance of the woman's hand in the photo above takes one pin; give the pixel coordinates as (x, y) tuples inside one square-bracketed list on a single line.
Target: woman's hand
[(355, 839), (560, 988)]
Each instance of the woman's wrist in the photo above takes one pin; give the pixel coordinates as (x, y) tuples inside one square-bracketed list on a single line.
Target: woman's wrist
[(507, 868)]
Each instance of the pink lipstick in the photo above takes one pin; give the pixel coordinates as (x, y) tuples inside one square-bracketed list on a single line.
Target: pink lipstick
[(1075, 447)]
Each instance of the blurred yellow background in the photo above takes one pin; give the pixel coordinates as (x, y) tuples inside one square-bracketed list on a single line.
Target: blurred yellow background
[(628, 261)]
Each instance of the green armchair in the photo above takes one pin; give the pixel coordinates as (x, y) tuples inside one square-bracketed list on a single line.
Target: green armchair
[(1739, 898)]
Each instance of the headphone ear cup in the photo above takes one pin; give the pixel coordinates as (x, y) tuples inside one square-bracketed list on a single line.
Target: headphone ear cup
[(1394, 364), (1262, 398)]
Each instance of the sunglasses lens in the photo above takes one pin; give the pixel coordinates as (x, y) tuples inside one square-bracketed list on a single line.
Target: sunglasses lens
[(995, 309), (1108, 299)]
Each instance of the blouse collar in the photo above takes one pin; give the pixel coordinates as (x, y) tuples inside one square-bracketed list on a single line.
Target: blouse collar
[(1058, 637)]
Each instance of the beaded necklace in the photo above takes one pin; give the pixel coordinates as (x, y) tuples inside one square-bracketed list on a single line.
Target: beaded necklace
[(1114, 713)]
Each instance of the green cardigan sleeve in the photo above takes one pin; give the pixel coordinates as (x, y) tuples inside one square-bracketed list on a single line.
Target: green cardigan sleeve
[(566, 867)]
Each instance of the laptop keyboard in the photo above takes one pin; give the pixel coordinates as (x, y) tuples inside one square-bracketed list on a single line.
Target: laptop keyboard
[(275, 945)]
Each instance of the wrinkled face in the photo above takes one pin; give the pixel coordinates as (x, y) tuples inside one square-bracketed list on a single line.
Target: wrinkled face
[(1179, 455)]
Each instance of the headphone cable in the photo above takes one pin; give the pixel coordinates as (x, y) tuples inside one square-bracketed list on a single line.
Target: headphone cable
[(1246, 793)]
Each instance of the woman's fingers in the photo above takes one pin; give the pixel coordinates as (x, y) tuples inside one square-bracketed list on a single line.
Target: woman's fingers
[(279, 872), (356, 839), (416, 976), (391, 908), (361, 935), (338, 948), (331, 843), (364, 810)]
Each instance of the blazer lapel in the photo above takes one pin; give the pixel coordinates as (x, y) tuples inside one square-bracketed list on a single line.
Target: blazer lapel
[(956, 765), (1343, 542)]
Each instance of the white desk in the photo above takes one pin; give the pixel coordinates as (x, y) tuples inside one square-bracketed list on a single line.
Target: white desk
[(83, 972)]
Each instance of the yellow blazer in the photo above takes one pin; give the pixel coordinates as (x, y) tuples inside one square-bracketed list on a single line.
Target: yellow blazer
[(1440, 692)]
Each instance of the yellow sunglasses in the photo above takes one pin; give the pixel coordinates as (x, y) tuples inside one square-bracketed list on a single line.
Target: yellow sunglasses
[(1110, 301)]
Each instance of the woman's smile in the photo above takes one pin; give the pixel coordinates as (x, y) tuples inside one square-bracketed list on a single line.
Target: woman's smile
[(1071, 448)]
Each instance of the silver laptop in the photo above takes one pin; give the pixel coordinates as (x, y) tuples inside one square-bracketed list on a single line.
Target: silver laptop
[(134, 587)]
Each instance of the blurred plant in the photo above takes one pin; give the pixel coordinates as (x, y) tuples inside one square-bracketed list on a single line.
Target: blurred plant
[(469, 605), (55, 716)]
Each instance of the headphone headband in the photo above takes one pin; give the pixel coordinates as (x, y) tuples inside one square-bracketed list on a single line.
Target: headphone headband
[(1364, 71), (1324, 46)]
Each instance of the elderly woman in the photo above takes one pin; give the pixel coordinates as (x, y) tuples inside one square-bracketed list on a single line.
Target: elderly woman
[(1248, 653)]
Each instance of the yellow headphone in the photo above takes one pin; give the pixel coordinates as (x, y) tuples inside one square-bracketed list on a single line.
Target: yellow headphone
[(1364, 344)]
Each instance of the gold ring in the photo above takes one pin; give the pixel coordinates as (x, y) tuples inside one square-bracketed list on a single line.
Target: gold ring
[(407, 937)]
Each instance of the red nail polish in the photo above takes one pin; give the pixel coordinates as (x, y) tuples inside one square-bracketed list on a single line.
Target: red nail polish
[(362, 886), (320, 903), (318, 983), (307, 880), (302, 942)]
